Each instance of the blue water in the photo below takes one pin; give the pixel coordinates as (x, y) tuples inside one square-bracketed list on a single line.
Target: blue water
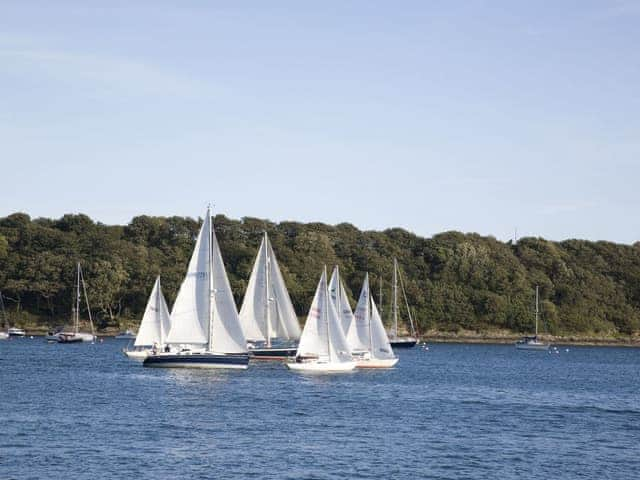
[(454, 411)]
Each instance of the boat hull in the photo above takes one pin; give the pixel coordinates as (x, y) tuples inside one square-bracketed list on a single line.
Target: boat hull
[(321, 367), (275, 353), (406, 342), (16, 332), (197, 360), (136, 354), (4, 335), (540, 347), (377, 363), (76, 337)]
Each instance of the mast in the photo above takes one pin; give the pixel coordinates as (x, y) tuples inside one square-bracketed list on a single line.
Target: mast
[(537, 310), (158, 296), (266, 286), (86, 300), (338, 288), (76, 320), (369, 303), (326, 312), (4, 313), (395, 296), (211, 289)]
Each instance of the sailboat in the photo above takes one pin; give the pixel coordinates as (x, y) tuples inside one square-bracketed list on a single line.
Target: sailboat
[(3, 335), (367, 334), (205, 328), (323, 347), (154, 326), (396, 340), (532, 342), (75, 335), (338, 296), (267, 312)]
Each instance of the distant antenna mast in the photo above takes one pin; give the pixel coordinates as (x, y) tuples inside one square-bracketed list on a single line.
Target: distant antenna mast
[(515, 236)]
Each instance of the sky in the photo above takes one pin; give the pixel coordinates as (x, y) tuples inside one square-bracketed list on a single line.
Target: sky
[(477, 116)]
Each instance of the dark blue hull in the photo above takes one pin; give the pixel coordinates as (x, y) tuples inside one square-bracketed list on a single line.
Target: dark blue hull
[(273, 353), (197, 360)]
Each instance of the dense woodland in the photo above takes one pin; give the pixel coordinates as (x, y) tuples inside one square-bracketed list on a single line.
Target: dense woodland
[(453, 281)]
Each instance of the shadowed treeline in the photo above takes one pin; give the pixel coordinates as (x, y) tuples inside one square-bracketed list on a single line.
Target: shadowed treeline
[(453, 280)]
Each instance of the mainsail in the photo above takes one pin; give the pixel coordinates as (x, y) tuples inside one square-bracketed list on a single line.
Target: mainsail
[(156, 321), (267, 311), (359, 332), (339, 298), (204, 312)]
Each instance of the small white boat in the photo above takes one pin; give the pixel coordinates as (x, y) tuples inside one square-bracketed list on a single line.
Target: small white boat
[(4, 335), (532, 342), (16, 332), (323, 347), (154, 326), (75, 335), (367, 333), (126, 335)]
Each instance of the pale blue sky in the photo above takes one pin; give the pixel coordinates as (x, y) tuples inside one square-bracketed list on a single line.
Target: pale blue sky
[(474, 116)]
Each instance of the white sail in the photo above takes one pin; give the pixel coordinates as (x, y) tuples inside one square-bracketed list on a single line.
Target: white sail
[(156, 321), (338, 296), (190, 314), (287, 325), (380, 346), (322, 335), (252, 312), (313, 341), (358, 334), (226, 334), (280, 320)]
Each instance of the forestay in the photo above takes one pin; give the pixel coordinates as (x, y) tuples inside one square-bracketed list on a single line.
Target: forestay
[(156, 320)]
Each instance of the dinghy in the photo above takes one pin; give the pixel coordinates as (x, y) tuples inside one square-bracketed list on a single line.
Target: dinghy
[(267, 313), (75, 335), (323, 347), (205, 328), (367, 334), (154, 326)]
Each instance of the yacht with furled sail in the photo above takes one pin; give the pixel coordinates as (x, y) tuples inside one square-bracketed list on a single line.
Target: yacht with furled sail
[(267, 313), (532, 342), (323, 347), (367, 336), (75, 335), (205, 328), (3, 314), (154, 326), (395, 339)]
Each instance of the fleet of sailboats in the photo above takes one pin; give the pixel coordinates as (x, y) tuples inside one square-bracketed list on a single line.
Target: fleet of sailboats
[(154, 326), (205, 327), (323, 347), (267, 314)]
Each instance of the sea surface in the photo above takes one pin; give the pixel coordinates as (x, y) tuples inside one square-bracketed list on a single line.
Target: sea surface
[(84, 411)]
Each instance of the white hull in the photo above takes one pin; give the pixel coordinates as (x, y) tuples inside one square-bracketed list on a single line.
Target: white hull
[(322, 367), (137, 354), (532, 346), (84, 337), (4, 335), (377, 363)]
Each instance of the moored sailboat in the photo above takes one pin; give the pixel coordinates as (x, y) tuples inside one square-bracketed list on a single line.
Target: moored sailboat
[(3, 313), (205, 328), (154, 326), (532, 342), (367, 334), (395, 339), (323, 347), (267, 313), (75, 335)]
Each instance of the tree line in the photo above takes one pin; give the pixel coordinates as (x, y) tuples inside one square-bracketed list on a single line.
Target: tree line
[(453, 280)]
